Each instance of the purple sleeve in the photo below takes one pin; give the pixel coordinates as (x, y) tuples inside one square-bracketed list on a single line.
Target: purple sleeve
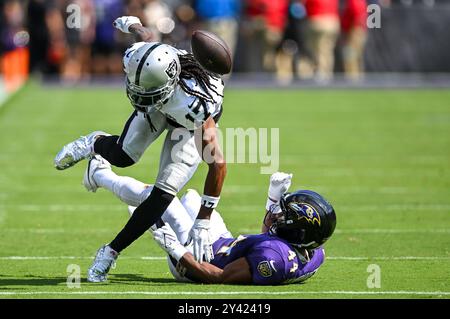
[(267, 266)]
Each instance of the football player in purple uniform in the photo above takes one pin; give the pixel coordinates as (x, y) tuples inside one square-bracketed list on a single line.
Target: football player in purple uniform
[(289, 249)]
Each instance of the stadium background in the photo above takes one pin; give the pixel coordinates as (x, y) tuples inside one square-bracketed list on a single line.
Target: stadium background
[(375, 141)]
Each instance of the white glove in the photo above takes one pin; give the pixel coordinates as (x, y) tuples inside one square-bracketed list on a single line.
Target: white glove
[(168, 241), (201, 239), (123, 23), (279, 184)]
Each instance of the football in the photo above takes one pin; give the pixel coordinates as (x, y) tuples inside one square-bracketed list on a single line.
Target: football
[(211, 51)]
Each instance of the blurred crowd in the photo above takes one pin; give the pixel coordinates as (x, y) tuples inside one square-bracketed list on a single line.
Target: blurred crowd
[(291, 38)]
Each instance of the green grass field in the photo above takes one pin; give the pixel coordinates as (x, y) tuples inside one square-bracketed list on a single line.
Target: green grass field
[(381, 157)]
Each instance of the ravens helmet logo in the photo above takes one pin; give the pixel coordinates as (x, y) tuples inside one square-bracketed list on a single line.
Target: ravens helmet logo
[(306, 211)]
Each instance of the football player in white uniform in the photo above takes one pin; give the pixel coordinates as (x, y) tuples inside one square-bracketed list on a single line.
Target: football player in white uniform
[(171, 93)]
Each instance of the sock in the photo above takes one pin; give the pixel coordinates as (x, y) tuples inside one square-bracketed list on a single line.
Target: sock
[(145, 215), (133, 193), (127, 189), (108, 148), (179, 220)]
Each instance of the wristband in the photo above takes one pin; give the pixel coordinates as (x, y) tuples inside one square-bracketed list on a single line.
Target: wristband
[(210, 201), (178, 252), (201, 223), (272, 206)]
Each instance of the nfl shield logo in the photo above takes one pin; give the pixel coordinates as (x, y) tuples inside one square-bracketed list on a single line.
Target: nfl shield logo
[(264, 269)]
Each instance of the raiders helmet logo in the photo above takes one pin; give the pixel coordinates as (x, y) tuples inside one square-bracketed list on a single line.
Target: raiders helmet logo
[(307, 212), (171, 70), (264, 268)]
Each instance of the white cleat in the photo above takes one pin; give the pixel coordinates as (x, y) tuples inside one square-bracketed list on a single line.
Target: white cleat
[(105, 259), (77, 150), (95, 163)]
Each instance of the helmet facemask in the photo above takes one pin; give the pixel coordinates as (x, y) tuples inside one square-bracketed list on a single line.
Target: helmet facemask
[(294, 236), (144, 100), (287, 227)]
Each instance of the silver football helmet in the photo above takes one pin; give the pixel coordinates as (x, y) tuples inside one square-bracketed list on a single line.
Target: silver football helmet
[(152, 71)]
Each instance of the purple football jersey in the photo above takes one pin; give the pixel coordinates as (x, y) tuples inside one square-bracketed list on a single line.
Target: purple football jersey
[(272, 260)]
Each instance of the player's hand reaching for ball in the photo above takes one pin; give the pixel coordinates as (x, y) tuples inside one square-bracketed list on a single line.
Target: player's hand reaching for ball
[(124, 23), (201, 240)]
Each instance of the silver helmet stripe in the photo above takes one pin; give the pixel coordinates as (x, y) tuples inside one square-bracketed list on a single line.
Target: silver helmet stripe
[(141, 63)]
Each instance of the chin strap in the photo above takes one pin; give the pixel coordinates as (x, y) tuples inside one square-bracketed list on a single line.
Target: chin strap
[(149, 120), (303, 254)]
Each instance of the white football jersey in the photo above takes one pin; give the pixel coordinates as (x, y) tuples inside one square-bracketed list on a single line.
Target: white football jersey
[(190, 111)]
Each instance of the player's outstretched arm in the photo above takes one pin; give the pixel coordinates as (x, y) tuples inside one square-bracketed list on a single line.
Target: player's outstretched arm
[(130, 24), (142, 33), (279, 184), (212, 155), (237, 272), (217, 167)]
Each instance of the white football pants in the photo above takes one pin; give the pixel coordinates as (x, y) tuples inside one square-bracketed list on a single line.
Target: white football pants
[(179, 156), (180, 214)]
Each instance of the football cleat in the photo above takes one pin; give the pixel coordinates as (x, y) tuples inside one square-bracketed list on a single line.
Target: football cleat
[(105, 259), (77, 150), (95, 163)]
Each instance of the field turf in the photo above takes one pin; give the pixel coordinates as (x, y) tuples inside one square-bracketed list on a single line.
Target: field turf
[(381, 157)]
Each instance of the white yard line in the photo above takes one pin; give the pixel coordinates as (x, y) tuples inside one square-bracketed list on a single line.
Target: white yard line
[(97, 207), (391, 231), (66, 207), (57, 230), (207, 293), (236, 189), (359, 208), (371, 231), (357, 258), (390, 258), (75, 257), (241, 230), (410, 207)]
